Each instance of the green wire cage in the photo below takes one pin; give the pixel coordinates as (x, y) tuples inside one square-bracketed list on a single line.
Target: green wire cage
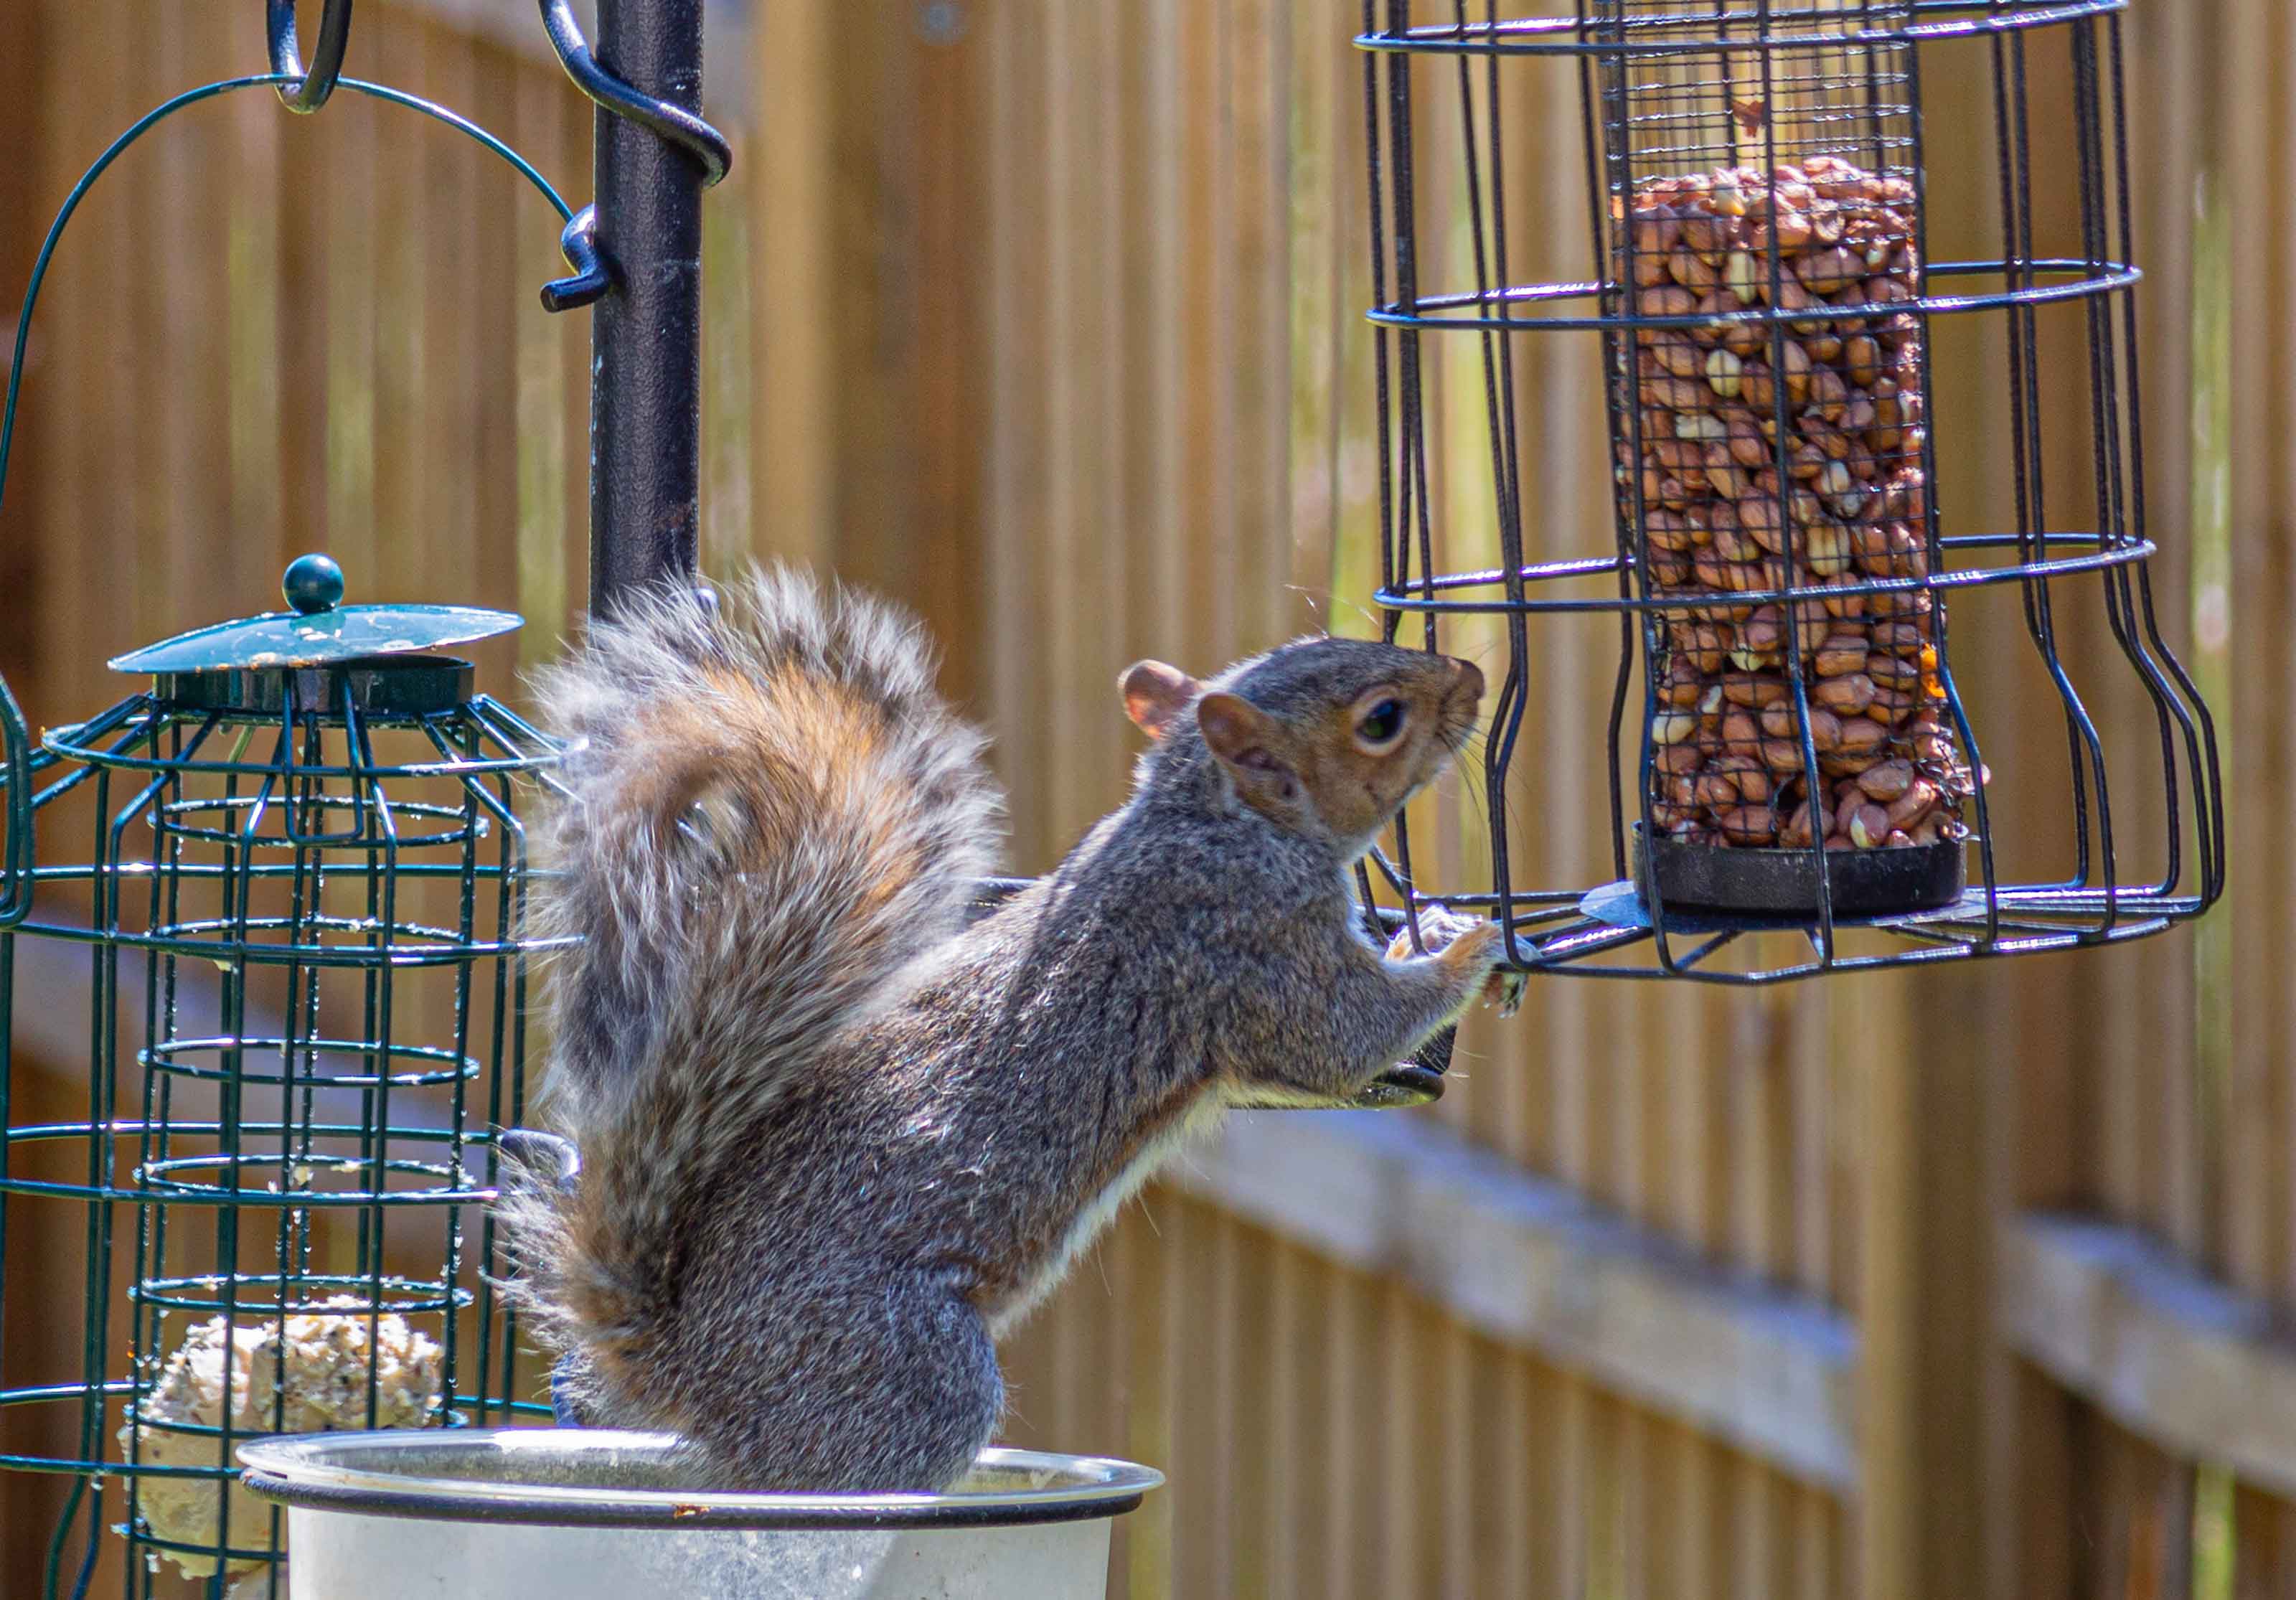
[(299, 928), (285, 982)]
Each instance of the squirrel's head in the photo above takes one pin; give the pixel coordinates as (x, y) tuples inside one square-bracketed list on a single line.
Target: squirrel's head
[(1325, 737)]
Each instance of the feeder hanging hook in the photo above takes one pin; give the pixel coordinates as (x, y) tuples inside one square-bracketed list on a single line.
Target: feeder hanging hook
[(673, 124), (309, 90)]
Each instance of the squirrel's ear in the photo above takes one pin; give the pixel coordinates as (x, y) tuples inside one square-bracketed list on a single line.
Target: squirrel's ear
[(1154, 695), (1246, 740)]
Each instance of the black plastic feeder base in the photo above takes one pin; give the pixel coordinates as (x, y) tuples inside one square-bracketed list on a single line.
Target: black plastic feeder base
[(1783, 883)]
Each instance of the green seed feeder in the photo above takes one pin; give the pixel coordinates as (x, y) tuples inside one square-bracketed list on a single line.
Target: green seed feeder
[(297, 931)]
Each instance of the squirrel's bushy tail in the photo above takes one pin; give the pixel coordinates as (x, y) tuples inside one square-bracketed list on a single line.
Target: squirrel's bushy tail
[(770, 812)]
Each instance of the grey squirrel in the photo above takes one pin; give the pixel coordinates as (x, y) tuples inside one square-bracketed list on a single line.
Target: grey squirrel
[(834, 1139)]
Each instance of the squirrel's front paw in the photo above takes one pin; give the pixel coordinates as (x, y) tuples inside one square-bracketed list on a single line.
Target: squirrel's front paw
[(1440, 928), (1465, 941), (1482, 947)]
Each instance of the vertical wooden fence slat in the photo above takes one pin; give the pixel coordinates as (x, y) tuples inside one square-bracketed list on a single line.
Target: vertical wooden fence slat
[(451, 403), (304, 205), (2256, 1013), (347, 223), (1304, 1511), (2254, 45), (2264, 1563), (254, 521), (390, 557), (25, 58), (951, 152), (795, 281), (1260, 74), (1016, 223), (172, 192), (1067, 533), (546, 584)]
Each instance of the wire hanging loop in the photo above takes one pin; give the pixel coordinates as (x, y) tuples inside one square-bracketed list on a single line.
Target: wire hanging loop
[(673, 124), (12, 393), (309, 90)]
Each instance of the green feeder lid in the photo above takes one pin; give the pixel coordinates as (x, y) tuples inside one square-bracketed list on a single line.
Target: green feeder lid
[(319, 631)]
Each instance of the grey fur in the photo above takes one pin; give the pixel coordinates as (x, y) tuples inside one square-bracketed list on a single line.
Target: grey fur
[(833, 1140)]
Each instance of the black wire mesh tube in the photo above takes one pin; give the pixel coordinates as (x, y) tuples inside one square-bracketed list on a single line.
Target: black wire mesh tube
[(1790, 376)]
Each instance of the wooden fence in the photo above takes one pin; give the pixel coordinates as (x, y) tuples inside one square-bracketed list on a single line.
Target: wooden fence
[(1045, 315)]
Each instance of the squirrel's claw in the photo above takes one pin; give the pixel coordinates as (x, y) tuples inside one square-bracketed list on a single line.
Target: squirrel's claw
[(1504, 991)]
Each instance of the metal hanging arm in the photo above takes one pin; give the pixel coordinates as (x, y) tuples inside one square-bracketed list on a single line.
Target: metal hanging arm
[(579, 242), (309, 90), (654, 156), (636, 255), (661, 118)]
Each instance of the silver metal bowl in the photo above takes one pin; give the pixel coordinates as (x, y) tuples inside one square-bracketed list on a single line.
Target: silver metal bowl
[(598, 1514)]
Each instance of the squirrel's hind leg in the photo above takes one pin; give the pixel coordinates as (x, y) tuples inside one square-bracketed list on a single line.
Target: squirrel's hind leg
[(878, 1385)]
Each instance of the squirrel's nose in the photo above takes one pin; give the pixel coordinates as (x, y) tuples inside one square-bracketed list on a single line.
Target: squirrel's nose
[(1470, 676)]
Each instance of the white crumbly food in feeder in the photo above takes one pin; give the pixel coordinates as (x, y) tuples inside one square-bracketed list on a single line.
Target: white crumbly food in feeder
[(321, 1363)]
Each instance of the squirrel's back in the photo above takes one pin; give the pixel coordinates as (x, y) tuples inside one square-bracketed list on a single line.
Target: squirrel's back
[(766, 812)]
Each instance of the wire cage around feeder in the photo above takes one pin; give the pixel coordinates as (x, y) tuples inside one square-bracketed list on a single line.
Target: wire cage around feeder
[(299, 924), (296, 944), (1795, 780)]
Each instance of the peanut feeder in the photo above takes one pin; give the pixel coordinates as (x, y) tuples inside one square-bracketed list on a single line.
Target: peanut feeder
[(1785, 773)]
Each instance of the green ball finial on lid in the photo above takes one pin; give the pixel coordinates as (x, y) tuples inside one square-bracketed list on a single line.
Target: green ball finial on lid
[(314, 583)]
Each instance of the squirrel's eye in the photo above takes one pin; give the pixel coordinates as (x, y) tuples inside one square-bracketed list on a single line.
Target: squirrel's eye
[(1382, 723)]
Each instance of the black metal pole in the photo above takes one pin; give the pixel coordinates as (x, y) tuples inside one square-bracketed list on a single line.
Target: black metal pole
[(645, 350)]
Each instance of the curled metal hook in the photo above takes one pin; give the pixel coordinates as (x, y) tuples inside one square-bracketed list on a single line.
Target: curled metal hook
[(578, 242), (310, 89), (673, 124), (664, 120)]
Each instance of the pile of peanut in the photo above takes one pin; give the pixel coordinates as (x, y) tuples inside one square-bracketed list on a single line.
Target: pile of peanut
[(1728, 735)]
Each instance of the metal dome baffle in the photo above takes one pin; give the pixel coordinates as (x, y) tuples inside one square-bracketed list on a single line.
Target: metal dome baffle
[(1795, 757), (298, 932)]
